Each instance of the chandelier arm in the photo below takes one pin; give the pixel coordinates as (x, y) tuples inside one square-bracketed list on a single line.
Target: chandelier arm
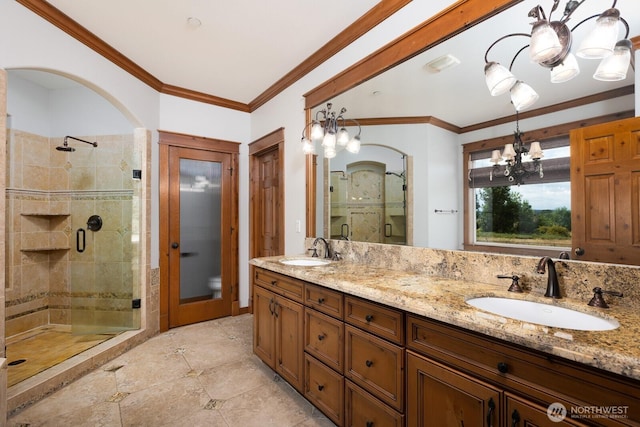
[(307, 127), (626, 25), (571, 7), (583, 21), (516, 55), (486, 54)]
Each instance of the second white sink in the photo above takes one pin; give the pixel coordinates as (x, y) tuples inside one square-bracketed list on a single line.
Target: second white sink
[(304, 262), (543, 314)]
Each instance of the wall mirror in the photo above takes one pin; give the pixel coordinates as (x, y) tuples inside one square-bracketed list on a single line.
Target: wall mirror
[(428, 114)]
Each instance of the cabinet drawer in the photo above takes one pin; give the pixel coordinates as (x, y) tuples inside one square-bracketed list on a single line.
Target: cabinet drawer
[(375, 365), (324, 388), (324, 339), (325, 300), (362, 409), (521, 412), (379, 320), (282, 285)]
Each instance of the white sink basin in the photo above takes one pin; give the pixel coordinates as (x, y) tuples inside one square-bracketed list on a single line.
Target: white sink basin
[(543, 314), (304, 262)]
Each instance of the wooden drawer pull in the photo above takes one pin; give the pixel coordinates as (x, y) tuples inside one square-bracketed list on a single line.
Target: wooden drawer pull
[(369, 363), (321, 337), (320, 387), (368, 317)]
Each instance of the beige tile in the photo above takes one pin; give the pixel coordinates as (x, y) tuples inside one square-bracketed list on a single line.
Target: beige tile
[(231, 380), (163, 404), (269, 406), (76, 399)]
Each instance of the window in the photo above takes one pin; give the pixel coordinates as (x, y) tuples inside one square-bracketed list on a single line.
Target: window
[(534, 214)]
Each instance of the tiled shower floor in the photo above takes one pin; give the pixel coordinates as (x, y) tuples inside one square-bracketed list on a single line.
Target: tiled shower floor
[(38, 349), (198, 375)]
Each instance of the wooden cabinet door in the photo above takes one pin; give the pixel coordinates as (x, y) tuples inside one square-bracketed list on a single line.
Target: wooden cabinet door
[(264, 335), (290, 341), (605, 192), (440, 396)]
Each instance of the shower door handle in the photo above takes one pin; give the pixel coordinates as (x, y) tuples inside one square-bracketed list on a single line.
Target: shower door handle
[(81, 245)]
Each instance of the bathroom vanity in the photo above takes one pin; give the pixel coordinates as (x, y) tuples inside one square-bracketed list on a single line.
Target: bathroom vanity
[(378, 347)]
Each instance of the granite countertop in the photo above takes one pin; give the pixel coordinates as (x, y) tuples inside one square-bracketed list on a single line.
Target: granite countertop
[(443, 299)]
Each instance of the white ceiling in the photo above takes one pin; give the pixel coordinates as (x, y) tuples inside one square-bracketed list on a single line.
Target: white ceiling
[(245, 46), (240, 49), (459, 95)]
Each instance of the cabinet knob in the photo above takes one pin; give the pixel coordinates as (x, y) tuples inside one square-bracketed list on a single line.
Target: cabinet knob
[(578, 251), (320, 387), (320, 337), (368, 317), (320, 300), (515, 418), (369, 363), (274, 282), (175, 245), (369, 424), (503, 367)]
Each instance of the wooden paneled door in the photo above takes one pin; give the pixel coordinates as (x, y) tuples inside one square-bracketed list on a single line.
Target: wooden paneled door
[(198, 230), (267, 195), (605, 192)]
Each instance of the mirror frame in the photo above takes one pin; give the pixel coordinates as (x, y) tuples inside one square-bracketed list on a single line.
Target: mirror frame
[(448, 23)]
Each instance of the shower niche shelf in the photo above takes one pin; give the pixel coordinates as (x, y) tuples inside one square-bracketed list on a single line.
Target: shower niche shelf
[(44, 247), (44, 215)]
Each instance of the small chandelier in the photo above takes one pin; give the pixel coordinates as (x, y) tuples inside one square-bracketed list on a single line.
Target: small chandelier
[(550, 47), (330, 128), (516, 170)]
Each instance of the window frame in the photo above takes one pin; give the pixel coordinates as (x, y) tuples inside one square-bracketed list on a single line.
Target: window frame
[(556, 131)]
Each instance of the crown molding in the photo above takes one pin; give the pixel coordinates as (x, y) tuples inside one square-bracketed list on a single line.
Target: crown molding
[(380, 12), (373, 17)]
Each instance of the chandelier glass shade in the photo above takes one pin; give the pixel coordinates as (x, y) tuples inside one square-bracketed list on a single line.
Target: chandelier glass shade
[(550, 47), (330, 128)]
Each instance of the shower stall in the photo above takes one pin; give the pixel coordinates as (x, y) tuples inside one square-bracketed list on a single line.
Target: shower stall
[(73, 223)]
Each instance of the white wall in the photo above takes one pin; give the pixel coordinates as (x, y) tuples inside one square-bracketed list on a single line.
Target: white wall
[(76, 111)]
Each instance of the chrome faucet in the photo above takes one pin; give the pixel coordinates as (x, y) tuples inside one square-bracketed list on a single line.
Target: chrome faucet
[(553, 288), (327, 251)]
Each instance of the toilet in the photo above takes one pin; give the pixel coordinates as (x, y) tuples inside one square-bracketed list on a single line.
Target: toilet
[(215, 284)]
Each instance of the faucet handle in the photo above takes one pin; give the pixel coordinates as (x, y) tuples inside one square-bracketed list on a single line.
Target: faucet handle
[(336, 256), (598, 300), (314, 254), (515, 286)]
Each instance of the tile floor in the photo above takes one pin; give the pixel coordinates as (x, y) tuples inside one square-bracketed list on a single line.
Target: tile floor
[(198, 375)]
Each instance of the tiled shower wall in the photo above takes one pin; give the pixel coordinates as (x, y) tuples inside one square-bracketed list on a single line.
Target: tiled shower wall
[(50, 195)]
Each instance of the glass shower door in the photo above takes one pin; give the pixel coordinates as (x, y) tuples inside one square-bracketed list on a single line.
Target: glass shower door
[(104, 259)]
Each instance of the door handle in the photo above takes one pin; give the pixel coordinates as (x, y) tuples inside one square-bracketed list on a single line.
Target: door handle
[(81, 245), (579, 251), (175, 245)]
